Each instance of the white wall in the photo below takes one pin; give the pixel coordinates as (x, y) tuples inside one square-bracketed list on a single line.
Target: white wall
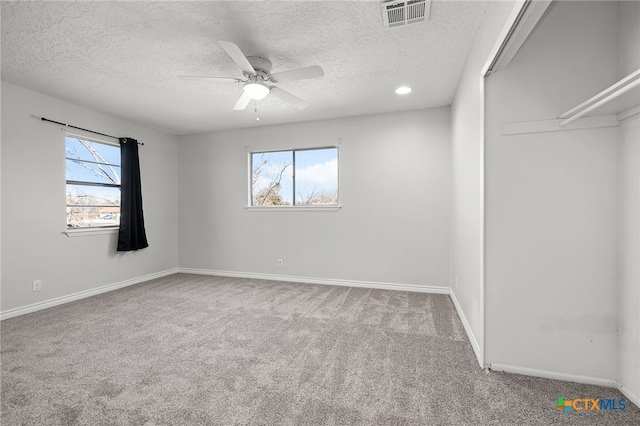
[(629, 37), (629, 196), (33, 203), (394, 190), (551, 204), (467, 223), (629, 249)]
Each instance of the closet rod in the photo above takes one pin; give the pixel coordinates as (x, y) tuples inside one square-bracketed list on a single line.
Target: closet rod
[(623, 86)]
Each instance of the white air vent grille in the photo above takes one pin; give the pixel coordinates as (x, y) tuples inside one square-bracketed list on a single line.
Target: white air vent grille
[(397, 13)]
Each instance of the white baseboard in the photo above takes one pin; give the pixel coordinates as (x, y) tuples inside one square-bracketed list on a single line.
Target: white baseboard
[(630, 396), (82, 294), (467, 328), (325, 281), (555, 375)]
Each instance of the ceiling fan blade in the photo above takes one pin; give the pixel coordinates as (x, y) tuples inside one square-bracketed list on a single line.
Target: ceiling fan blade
[(299, 74), (242, 102), (233, 79), (288, 97), (238, 57)]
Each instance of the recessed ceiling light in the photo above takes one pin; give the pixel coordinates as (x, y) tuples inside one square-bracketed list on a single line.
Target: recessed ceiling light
[(403, 90)]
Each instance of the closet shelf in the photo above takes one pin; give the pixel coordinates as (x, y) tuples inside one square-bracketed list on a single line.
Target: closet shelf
[(619, 97)]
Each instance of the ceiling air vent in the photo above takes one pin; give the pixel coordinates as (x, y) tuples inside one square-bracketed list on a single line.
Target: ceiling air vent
[(397, 13)]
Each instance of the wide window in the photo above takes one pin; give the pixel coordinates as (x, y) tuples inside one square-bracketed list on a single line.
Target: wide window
[(301, 177), (93, 183)]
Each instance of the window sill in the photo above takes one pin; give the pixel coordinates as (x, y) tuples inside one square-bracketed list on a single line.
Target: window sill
[(332, 208), (85, 232)]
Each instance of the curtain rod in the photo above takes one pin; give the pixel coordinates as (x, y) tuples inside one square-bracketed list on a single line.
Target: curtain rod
[(86, 130)]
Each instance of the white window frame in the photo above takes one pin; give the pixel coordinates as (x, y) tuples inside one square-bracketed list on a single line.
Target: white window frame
[(293, 207), (88, 231)]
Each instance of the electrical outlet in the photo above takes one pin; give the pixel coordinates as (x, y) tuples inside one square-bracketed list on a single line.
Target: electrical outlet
[(37, 285), (279, 263)]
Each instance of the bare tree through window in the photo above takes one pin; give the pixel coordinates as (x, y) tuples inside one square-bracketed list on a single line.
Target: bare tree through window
[(295, 177), (93, 183)]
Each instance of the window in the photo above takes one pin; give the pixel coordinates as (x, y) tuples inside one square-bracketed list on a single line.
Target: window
[(93, 183), (295, 178)]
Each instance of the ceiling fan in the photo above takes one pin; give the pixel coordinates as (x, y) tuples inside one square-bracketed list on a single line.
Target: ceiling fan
[(258, 80)]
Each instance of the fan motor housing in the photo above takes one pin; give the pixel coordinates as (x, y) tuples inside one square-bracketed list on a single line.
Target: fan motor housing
[(261, 65)]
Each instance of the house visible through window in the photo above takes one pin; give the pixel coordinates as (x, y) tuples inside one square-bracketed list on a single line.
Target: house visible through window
[(295, 177), (93, 183)]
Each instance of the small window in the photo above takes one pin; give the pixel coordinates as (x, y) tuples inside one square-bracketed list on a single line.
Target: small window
[(93, 183), (302, 177)]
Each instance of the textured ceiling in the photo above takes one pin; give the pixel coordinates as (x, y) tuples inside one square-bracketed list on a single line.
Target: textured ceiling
[(123, 58)]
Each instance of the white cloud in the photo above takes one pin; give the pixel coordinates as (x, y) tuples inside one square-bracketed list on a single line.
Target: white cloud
[(321, 174)]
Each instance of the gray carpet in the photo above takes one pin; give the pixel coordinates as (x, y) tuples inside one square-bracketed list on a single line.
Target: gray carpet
[(199, 350)]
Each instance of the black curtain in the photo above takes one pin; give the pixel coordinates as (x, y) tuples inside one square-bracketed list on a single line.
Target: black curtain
[(132, 235)]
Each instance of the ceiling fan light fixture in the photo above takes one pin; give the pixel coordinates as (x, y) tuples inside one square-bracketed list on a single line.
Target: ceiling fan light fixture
[(256, 90), (403, 90)]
